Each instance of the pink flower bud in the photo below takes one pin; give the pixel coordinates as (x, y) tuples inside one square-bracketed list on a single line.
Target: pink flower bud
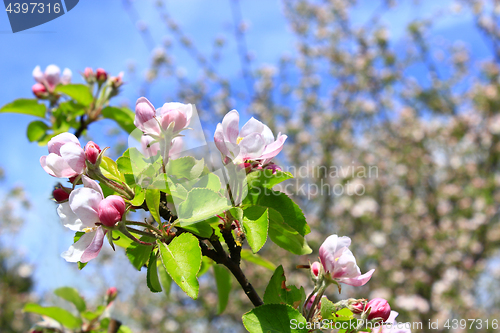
[(111, 294), (379, 309), (315, 268), (92, 151), (117, 81), (111, 210), (174, 116), (88, 72), (60, 195), (101, 75), (39, 90), (357, 307), (273, 167)]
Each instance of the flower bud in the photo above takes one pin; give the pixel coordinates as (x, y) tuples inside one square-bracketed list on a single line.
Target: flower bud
[(315, 268), (379, 309), (111, 210), (101, 75), (273, 167), (39, 90), (89, 75), (174, 116), (92, 152), (60, 194), (111, 294), (357, 307)]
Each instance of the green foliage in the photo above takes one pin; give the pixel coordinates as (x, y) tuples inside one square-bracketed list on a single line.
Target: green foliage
[(153, 202), (79, 92), (36, 130), (266, 178), (223, 282), (327, 309), (71, 295), (25, 106), (110, 169), (274, 318), (185, 167), (255, 225), (153, 281), (62, 316), (138, 254), (201, 204), (256, 259), (182, 260), (124, 117), (277, 292)]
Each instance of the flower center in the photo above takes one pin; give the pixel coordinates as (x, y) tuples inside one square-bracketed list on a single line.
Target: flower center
[(239, 140), (87, 230)]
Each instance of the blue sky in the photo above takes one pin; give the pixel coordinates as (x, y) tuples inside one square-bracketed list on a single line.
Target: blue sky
[(102, 34)]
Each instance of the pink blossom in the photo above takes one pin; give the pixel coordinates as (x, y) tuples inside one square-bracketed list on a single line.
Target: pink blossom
[(255, 141), (82, 212), (92, 152), (39, 90), (52, 76), (66, 157), (380, 308), (150, 148), (101, 75), (339, 262), (315, 268), (111, 210), (60, 194), (175, 116), (392, 326)]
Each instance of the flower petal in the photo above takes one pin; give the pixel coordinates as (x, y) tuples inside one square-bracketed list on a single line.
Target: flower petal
[(230, 126), (74, 155), (75, 251), (329, 248), (268, 135), (94, 247), (38, 74), (220, 141), (251, 147), (90, 183), (55, 144), (43, 163), (85, 203), (252, 126), (58, 166), (66, 76), (52, 75), (145, 116), (69, 218), (274, 148), (358, 281)]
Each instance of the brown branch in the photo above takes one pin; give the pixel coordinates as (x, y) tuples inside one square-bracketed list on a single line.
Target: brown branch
[(114, 326)]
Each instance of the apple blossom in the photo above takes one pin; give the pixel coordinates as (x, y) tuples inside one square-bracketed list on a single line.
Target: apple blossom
[(392, 326), (92, 152), (60, 194), (52, 76), (39, 90), (150, 148), (66, 157), (380, 308), (171, 115), (339, 262), (86, 208), (89, 75), (101, 75), (255, 141), (315, 268)]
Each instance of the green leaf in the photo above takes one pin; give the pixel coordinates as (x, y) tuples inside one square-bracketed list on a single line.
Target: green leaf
[(139, 196), (152, 276), (36, 130), (153, 202), (124, 117), (201, 204), (255, 225), (62, 316), (77, 236), (182, 260), (279, 201), (277, 292), (79, 92), (138, 254), (210, 181), (274, 318), (25, 106), (110, 169), (256, 259), (266, 178), (206, 263), (327, 309), (202, 229), (71, 295), (165, 279), (185, 167), (223, 281), (284, 236)]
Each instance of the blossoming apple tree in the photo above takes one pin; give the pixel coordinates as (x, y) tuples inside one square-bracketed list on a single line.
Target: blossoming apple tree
[(203, 212)]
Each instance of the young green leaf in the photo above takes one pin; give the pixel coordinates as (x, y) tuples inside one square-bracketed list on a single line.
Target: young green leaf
[(152, 276), (277, 292), (327, 309), (153, 202), (255, 225), (62, 316), (138, 254), (36, 130), (223, 281), (165, 279), (71, 295), (182, 260), (25, 106), (274, 318), (201, 204), (124, 117), (110, 169), (79, 92), (256, 259), (266, 178)]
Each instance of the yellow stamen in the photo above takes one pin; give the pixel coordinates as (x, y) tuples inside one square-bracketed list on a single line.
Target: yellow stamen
[(86, 230), (239, 140)]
